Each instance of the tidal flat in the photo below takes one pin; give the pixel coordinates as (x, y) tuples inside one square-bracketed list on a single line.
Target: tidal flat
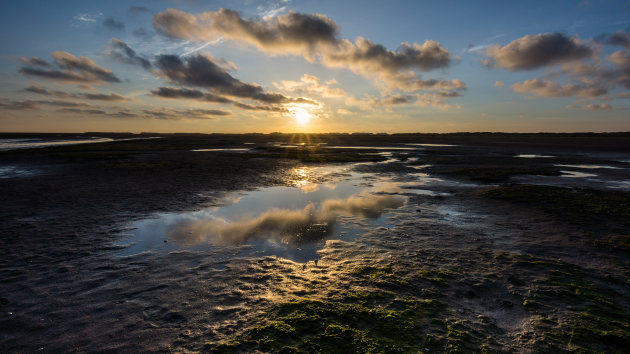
[(359, 243)]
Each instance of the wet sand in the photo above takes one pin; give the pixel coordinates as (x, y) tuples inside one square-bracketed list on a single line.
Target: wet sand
[(494, 263)]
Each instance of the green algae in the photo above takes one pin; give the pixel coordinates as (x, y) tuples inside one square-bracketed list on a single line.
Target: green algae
[(322, 326), (383, 276)]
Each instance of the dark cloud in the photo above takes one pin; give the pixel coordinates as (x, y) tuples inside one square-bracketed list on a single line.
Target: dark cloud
[(173, 92), (18, 105), (136, 10), (547, 88), (71, 69), (315, 37), (536, 51), (113, 24), (34, 61), (120, 51), (167, 113), (82, 111), (42, 90), (117, 114), (35, 104), (38, 89), (64, 103), (202, 71), (396, 100), (619, 38), (265, 108), (103, 97)]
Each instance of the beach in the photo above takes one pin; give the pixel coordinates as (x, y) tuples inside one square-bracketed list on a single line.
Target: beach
[(418, 242)]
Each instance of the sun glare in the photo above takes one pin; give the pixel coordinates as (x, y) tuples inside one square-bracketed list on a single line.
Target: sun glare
[(302, 114)]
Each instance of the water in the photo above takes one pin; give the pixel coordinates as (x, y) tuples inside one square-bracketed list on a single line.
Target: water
[(432, 145), (591, 167), (530, 156), (14, 144), (12, 171), (576, 174), (290, 222), (215, 150), (31, 143), (372, 147)]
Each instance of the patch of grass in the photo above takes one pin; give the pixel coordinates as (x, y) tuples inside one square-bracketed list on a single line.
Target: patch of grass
[(591, 320), (320, 326), (438, 277), (370, 295)]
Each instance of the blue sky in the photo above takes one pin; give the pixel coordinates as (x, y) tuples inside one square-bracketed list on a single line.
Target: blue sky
[(467, 66)]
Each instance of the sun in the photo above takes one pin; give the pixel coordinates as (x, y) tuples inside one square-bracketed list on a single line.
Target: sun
[(301, 113), (302, 116)]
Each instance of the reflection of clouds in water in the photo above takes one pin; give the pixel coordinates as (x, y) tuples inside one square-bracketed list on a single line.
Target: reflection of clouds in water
[(309, 188), (296, 226)]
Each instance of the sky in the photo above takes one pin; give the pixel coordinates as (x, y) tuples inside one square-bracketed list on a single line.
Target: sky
[(244, 66)]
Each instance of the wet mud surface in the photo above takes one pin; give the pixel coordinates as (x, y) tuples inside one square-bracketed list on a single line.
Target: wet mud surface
[(489, 250)]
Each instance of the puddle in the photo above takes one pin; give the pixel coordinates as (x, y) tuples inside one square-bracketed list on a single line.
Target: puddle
[(235, 149), (14, 144), (289, 222), (15, 172), (372, 147), (591, 167), (30, 143), (527, 156), (432, 145), (576, 174)]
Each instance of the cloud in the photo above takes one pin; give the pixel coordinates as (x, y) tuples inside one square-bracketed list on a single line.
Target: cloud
[(297, 226), (34, 61), (117, 114), (35, 104), (499, 84), (536, 51), (173, 92), (120, 51), (18, 105), (103, 97), (71, 69), (623, 95), (202, 71), (579, 69), (42, 90), (273, 9), (289, 33), (113, 25), (310, 84), (38, 89), (168, 113), (316, 38), (434, 99), (619, 38), (82, 111), (547, 88), (592, 107), (85, 18)]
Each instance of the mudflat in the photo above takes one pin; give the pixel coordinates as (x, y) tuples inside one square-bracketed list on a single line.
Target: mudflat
[(317, 243)]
